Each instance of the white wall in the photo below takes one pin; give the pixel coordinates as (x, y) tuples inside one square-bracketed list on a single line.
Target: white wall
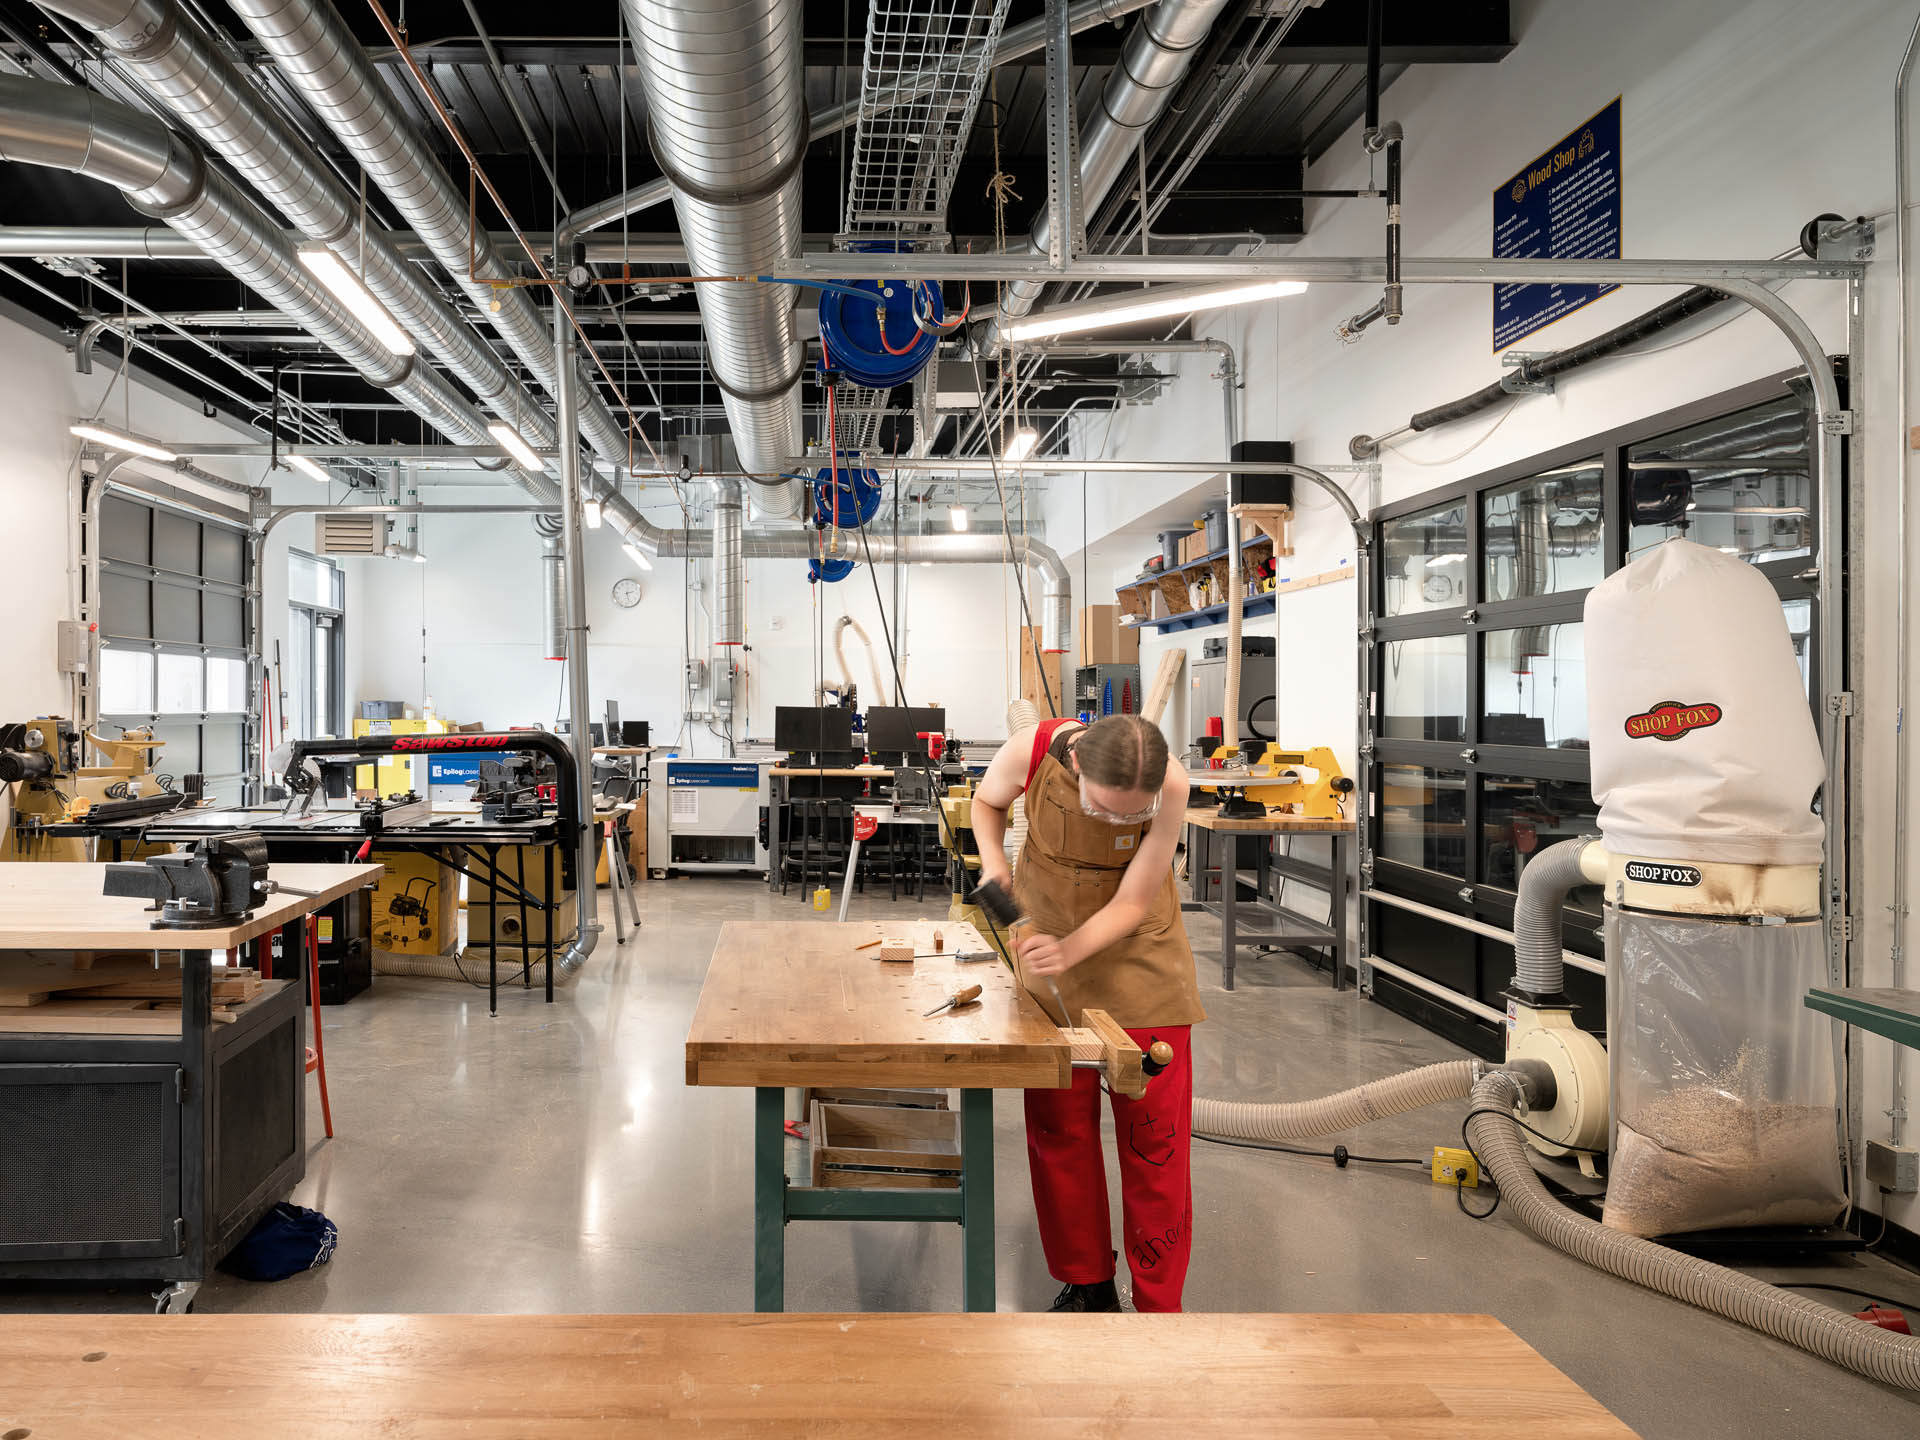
[(40, 496), (473, 611), (1741, 120)]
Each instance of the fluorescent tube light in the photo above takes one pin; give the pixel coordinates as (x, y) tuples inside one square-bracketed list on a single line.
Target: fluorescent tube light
[(957, 516), (590, 512), (307, 468), (1152, 305), (1435, 560), (509, 440), (345, 287), (115, 439), (1019, 447), (637, 555)]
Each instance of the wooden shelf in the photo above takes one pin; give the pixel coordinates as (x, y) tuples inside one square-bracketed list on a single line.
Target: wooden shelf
[(1261, 604)]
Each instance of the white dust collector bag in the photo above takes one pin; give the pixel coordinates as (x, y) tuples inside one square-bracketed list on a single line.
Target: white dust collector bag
[(1704, 746)]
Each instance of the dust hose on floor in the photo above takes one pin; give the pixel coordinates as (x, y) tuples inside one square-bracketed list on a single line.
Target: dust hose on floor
[(1306, 1119), (1818, 1329)]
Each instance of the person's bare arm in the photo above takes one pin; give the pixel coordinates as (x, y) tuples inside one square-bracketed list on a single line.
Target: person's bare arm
[(1132, 902), (1005, 778)]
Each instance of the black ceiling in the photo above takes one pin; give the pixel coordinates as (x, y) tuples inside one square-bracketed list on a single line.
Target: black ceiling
[(569, 83)]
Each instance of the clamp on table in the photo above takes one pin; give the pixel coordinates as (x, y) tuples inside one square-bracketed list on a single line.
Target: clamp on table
[(220, 881), (1099, 1043)]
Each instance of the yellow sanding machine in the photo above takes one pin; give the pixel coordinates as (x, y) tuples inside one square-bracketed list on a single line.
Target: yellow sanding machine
[(1269, 774)]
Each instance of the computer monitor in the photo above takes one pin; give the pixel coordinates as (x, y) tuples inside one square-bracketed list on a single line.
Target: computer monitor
[(893, 732), (808, 730), (613, 721), (634, 732)]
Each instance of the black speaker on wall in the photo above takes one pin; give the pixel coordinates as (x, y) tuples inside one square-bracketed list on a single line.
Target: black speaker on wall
[(1261, 489)]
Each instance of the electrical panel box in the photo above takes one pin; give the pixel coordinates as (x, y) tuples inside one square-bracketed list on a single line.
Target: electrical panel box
[(73, 647), (1893, 1167)]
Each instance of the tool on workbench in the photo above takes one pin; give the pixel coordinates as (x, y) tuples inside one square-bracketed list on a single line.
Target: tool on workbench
[(218, 882), (996, 901), (955, 1000)]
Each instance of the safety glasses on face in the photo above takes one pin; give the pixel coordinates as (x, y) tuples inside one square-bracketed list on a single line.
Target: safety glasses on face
[(1098, 812)]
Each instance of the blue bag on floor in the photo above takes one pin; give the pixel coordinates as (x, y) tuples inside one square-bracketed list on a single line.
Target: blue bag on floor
[(287, 1240)]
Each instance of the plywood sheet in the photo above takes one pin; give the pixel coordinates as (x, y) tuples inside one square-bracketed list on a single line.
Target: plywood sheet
[(798, 1003), (569, 1377)]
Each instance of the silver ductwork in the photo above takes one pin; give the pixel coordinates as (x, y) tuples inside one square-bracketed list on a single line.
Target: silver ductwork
[(320, 57), (727, 117), (553, 590), (71, 129), (1154, 60), (729, 578)]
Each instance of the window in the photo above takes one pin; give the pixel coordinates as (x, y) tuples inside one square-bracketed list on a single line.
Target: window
[(172, 610), (316, 643), (1479, 686)]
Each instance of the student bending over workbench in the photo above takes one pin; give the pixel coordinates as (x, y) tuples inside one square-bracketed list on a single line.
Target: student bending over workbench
[(1104, 809)]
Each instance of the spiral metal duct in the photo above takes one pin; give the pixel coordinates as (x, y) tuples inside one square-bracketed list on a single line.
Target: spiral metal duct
[(728, 123), (67, 128), (180, 63), (319, 56), (729, 579), (1158, 50)]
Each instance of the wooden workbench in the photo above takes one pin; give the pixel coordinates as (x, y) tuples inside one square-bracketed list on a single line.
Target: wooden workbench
[(583, 1377), (1286, 928), (1209, 818), (800, 1004), (60, 907), (192, 1129)]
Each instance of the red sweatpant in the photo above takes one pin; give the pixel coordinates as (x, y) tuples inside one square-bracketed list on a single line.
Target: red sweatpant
[(1154, 1139)]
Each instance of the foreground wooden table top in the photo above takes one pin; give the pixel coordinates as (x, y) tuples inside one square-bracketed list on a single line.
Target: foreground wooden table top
[(60, 907), (798, 1003), (1208, 818), (261, 1377)]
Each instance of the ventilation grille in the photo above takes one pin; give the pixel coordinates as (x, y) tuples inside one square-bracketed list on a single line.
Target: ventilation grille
[(86, 1164), (350, 534)]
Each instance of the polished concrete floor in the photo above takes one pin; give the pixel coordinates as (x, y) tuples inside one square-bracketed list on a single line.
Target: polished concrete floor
[(552, 1159)]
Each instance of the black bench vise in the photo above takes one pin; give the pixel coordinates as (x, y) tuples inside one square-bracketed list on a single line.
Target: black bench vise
[(218, 882)]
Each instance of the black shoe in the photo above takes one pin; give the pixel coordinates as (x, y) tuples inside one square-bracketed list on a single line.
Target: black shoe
[(1101, 1299)]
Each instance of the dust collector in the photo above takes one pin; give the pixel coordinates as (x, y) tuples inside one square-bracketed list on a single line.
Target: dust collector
[(1717, 1104)]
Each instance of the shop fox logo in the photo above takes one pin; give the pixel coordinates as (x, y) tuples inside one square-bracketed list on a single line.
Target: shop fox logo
[(1669, 720)]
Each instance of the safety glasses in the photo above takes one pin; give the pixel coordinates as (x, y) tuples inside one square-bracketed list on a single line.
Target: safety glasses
[(1096, 812)]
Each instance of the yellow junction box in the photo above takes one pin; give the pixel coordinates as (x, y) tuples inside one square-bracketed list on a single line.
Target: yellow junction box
[(1456, 1167)]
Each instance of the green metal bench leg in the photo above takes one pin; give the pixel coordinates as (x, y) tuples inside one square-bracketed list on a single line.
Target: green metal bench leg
[(976, 1197), (770, 1199)]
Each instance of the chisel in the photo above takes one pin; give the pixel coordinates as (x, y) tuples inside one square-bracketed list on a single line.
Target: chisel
[(955, 1000)]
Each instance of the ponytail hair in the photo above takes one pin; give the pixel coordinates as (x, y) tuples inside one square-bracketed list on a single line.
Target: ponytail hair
[(1125, 752)]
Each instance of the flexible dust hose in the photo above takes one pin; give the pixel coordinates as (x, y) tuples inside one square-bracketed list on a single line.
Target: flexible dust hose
[(1865, 1349), (846, 623), (1539, 966), (1305, 1119)]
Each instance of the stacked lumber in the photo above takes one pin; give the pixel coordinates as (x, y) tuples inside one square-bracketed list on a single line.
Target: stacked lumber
[(116, 994)]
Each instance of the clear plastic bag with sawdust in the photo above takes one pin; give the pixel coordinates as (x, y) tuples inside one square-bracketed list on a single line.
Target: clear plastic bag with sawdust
[(1724, 1095)]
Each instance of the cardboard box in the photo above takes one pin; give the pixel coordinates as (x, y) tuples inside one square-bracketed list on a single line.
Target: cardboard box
[(1104, 640), (1193, 545), (415, 905), (1030, 673)]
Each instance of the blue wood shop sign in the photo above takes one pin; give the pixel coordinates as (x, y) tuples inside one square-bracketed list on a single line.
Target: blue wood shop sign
[(1563, 205)]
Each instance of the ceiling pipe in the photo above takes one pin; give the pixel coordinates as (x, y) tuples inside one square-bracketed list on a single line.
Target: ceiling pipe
[(1016, 41), (1154, 60), (729, 573), (180, 63), (67, 128), (320, 58), (727, 119), (152, 242)]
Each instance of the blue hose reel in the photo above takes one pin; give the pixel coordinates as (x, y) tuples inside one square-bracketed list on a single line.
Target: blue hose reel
[(858, 496), (830, 571), (850, 329)]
